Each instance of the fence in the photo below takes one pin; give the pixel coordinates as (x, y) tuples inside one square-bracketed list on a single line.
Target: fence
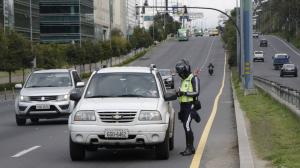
[(7, 95), (288, 95)]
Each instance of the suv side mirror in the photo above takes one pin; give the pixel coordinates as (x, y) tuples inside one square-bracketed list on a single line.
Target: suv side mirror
[(75, 96), (19, 86), (80, 84), (170, 96)]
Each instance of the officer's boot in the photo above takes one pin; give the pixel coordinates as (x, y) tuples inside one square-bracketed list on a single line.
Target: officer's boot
[(192, 142), (189, 149)]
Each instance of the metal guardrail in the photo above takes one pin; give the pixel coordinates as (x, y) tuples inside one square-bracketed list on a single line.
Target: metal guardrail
[(287, 94), (7, 95)]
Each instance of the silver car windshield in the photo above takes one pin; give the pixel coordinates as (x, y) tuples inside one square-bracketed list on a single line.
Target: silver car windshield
[(49, 80), (165, 72), (290, 66), (122, 85)]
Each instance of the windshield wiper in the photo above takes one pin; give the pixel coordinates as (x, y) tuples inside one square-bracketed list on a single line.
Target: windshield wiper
[(33, 86), (130, 95), (98, 96)]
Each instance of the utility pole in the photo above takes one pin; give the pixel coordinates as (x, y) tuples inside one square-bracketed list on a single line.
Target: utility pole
[(110, 26), (247, 41), (238, 39), (31, 38), (166, 5)]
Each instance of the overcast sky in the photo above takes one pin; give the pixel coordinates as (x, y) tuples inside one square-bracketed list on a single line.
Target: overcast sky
[(211, 17)]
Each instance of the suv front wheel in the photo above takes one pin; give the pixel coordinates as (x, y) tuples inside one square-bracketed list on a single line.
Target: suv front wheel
[(20, 121), (77, 151), (162, 149)]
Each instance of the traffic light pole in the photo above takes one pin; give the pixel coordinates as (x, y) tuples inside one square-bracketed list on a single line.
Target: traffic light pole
[(192, 7)]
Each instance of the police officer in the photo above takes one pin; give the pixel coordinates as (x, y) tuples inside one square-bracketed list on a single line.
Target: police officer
[(188, 93)]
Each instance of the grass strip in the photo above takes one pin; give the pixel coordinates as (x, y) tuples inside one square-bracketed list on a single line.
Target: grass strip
[(133, 58), (275, 130)]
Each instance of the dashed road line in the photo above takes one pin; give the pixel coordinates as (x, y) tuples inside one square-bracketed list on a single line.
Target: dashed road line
[(209, 52), (25, 151)]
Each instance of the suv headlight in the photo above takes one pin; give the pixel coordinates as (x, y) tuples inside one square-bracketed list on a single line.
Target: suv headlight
[(65, 97), (24, 98), (150, 116), (85, 116)]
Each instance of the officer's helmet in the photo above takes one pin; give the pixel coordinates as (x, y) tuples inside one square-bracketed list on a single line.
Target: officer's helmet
[(183, 69)]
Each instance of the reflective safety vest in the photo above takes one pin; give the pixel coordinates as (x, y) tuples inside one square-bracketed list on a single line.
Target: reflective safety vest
[(186, 86)]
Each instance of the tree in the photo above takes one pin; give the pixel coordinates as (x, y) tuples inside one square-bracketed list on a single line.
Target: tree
[(229, 38), (50, 56), (140, 38), (15, 54)]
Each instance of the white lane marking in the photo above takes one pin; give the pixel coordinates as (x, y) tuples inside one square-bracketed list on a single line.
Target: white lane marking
[(274, 48), (25, 151), (209, 51), (287, 45)]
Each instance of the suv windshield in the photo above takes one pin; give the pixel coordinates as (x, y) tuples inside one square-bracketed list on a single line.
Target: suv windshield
[(289, 66), (122, 85), (49, 80), (258, 52), (165, 72)]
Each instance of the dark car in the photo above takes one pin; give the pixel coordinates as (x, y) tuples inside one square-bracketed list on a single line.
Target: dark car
[(168, 77), (263, 43), (280, 59), (289, 69)]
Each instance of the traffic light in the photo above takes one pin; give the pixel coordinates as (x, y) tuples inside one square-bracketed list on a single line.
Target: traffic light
[(146, 3), (185, 9), (143, 10), (137, 10)]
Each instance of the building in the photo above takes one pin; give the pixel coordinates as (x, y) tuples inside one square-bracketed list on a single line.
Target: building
[(101, 19), (65, 21), (21, 15), (118, 13), (131, 20)]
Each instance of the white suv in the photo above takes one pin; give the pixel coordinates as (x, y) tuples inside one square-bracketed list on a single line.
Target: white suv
[(258, 55), (123, 106)]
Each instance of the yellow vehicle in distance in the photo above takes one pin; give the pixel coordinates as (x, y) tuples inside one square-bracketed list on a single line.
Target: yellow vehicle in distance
[(214, 32)]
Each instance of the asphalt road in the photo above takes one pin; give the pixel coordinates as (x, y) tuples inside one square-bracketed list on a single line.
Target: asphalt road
[(266, 70), (47, 142)]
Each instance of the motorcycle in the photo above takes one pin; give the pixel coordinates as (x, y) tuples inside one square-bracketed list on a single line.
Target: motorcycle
[(210, 71)]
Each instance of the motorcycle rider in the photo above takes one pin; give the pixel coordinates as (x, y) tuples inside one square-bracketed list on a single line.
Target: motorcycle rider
[(188, 93), (210, 68)]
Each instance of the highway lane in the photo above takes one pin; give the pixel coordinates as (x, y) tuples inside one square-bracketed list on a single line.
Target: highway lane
[(266, 70), (50, 138)]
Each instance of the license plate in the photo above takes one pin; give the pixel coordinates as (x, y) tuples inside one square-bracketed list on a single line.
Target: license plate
[(116, 133), (42, 106)]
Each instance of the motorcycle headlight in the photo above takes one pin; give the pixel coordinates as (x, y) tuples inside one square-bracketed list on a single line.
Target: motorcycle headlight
[(150, 116), (85, 116), (65, 97), (24, 98)]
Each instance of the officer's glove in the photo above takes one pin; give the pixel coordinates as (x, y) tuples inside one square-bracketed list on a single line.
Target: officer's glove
[(179, 93)]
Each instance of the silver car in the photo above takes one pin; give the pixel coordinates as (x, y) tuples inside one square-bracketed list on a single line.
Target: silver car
[(46, 94)]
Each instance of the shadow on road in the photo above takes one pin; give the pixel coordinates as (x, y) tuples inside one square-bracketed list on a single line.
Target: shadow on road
[(120, 155)]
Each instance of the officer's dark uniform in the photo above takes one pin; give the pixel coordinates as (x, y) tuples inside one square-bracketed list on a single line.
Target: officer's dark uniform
[(189, 92)]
